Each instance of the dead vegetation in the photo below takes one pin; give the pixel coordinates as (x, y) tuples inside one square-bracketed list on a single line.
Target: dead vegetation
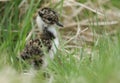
[(83, 22)]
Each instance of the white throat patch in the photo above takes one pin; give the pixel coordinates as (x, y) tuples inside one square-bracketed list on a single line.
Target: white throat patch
[(52, 29)]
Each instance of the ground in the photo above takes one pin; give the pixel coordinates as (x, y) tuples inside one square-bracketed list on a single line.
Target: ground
[(89, 41)]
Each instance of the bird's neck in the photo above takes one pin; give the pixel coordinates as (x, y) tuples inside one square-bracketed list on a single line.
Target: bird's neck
[(44, 28)]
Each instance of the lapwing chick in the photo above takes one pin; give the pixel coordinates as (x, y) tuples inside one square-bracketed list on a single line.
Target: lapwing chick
[(46, 42)]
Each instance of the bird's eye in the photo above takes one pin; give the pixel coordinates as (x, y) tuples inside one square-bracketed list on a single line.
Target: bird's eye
[(49, 19), (40, 13)]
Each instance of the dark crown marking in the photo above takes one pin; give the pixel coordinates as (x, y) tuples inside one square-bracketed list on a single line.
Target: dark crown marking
[(34, 51), (49, 16)]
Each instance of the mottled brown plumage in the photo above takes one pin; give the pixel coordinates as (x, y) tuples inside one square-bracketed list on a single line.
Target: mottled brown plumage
[(35, 49), (49, 16)]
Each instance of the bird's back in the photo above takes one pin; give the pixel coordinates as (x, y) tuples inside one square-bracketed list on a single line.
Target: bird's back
[(45, 42), (35, 49)]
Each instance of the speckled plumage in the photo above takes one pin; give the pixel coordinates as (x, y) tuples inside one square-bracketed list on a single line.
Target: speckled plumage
[(34, 51), (49, 16)]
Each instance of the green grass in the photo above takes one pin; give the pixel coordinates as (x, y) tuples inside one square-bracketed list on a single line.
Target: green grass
[(101, 66), (115, 3)]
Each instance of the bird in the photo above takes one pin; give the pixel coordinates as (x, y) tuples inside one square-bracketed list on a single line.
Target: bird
[(46, 40)]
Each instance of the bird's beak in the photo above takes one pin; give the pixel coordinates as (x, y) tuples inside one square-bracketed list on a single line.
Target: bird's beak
[(59, 24)]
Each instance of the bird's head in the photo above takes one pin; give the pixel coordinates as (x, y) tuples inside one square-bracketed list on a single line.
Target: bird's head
[(49, 16)]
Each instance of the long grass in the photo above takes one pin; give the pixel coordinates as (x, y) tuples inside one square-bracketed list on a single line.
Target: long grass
[(99, 64)]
